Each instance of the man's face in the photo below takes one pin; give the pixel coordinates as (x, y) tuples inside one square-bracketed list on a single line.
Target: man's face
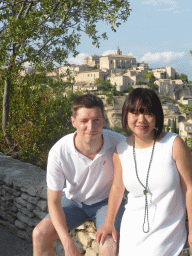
[(89, 124)]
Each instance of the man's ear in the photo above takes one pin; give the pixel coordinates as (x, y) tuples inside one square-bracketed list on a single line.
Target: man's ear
[(73, 121)]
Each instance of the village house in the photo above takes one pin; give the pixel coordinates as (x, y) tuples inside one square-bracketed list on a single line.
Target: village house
[(186, 100), (185, 129), (165, 73), (167, 86)]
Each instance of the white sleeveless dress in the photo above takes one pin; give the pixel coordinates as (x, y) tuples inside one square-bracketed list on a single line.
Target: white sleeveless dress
[(166, 203)]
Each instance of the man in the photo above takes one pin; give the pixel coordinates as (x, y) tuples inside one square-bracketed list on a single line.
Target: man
[(84, 161)]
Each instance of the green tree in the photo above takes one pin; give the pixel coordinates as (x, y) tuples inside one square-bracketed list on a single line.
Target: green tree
[(174, 128), (39, 116), (150, 76), (43, 32), (152, 86), (184, 78)]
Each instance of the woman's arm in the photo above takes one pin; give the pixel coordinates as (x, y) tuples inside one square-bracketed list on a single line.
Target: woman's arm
[(183, 158), (114, 201)]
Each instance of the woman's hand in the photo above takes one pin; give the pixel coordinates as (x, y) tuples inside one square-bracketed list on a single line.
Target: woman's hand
[(104, 231)]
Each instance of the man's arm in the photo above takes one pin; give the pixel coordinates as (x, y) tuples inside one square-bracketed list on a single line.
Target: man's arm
[(59, 221)]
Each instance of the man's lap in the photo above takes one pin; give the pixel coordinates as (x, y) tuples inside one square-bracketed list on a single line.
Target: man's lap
[(78, 213)]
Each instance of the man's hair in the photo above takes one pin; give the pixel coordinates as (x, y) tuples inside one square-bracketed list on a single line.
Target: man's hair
[(141, 99), (87, 101)]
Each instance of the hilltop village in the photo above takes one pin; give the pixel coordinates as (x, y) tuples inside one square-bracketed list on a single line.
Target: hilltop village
[(124, 72)]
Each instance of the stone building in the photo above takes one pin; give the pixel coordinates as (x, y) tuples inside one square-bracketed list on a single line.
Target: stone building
[(164, 73), (117, 62), (92, 60), (90, 76)]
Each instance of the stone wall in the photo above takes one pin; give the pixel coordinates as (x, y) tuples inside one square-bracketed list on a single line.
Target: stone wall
[(23, 204)]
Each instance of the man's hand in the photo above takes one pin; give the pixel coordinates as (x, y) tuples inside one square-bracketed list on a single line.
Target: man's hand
[(70, 248), (104, 231)]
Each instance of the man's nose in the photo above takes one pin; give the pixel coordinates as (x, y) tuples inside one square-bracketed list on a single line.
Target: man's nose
[(90, 125)]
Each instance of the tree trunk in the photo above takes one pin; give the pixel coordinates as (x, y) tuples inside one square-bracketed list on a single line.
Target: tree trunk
[(6, 109)]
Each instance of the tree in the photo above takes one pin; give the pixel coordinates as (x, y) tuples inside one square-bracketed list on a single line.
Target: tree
[(150, 76), (184, 78), (39, 116), (43, 32)]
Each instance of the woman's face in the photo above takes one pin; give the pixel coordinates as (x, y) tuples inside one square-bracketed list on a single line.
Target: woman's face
[(142, 123)]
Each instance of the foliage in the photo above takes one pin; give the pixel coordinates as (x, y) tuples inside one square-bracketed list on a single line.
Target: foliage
[(150, 76), (39, 116), (183, 77), (152, 86), (44, 32), (174, 128), (140, 82), (95, 67), (120, 130), (130, 89)]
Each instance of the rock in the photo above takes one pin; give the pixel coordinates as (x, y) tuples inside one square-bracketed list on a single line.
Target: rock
[(84, 238), (20, 224), (90, 252), (42, 205), (95, 246)]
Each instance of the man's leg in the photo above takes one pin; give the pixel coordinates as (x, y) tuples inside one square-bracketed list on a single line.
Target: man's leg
[(97, 213), (45, 234)]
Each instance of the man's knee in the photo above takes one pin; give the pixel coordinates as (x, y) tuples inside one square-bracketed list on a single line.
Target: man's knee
[(110, 247), (44, 232)]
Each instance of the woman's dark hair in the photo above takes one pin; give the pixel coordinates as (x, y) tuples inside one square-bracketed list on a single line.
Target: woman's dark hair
[(87, 101), (143, 99)]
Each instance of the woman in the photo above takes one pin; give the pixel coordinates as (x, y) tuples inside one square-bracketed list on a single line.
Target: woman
[(156, 168)]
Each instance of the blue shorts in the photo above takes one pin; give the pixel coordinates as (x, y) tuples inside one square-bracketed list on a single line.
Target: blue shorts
[(78, 213)]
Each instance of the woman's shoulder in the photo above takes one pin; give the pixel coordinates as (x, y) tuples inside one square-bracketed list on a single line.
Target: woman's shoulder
[(166, 137)]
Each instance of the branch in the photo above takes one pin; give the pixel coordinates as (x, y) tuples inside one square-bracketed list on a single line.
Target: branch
[(21, 10)]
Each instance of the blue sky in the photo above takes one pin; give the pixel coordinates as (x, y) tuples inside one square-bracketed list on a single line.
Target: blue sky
[(157, 32)]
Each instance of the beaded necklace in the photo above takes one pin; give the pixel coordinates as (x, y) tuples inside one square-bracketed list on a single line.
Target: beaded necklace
[(145, 191)]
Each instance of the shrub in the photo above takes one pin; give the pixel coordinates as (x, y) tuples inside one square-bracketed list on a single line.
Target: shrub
[(38, 118)]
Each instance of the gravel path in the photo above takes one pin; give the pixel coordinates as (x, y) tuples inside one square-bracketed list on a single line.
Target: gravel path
[(11, 245)]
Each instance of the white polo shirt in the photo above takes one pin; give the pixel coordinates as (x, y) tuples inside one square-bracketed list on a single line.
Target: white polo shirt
[(88, 181)]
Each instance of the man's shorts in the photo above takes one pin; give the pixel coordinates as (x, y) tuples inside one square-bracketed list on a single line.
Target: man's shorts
[(78, 213)]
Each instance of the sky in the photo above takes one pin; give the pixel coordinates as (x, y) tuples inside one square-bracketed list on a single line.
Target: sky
[(157, 32)]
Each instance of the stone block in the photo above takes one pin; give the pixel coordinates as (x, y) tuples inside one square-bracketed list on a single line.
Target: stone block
[(43, 193), (32, 200), (39, 213), (33, 222), (90, 252), (24, 210), (95, 246), (23, 218), (16, 193), (30, 206), (42, 205), (20, 201), (24, 196), (13, 208), (84, 238), (7, 196), (20, 224), (8, 181), (58, 248)]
